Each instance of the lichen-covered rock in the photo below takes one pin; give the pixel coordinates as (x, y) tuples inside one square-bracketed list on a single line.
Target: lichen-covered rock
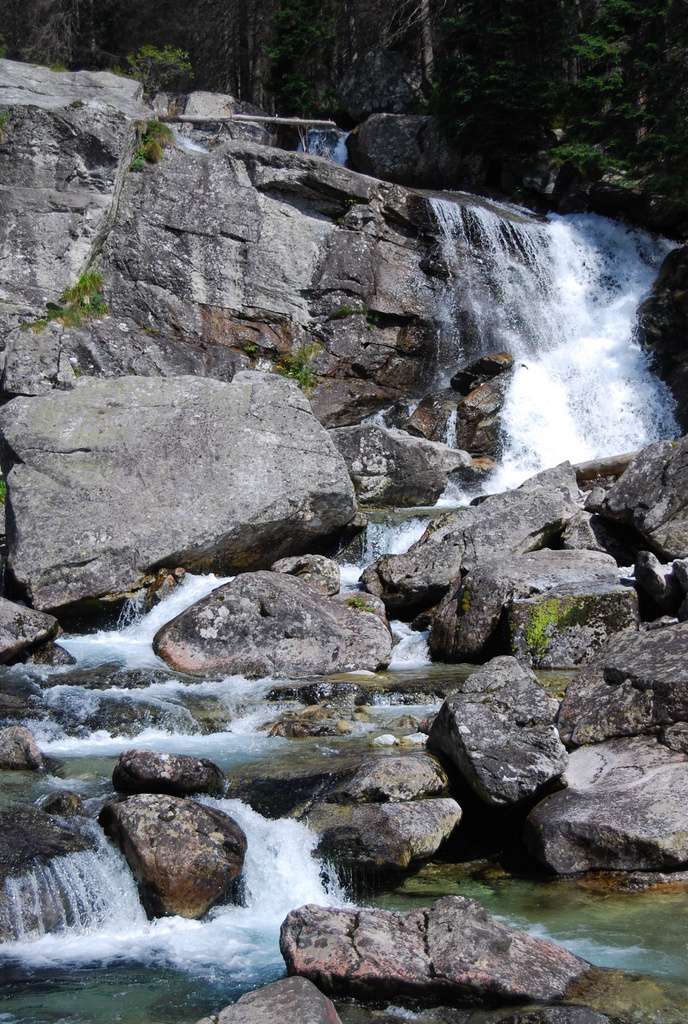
[(287, 1001), (452, 952), (497, 730), (624, 809), (148, 771), (319, 572), (383, 836), (19, 750), (390, 467), (184, 855), (206, 475), (505, 524), (23, 630), (637, 683), (413, 777), (581, 604), (269, 624)]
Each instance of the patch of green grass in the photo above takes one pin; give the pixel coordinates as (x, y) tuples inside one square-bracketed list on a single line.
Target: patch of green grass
[(155, 138), (358, 604), (4, 118), (3, 490), (82, 301), (297, 366)]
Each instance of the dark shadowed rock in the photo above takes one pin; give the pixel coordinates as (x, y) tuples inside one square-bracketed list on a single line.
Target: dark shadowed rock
[(433, 415), (19, 750), (495, 609), (390, 467), (64, 803), (658, 582), (451, 952), (380, 80), (267, 623), (23, 629), (184, 856), (497, 730), (652, 496), (383, 836), (287, 1001), (319, 572), (147, 771), (636, 684), (505, 524), (625, 809), (480, 371), (99, 496), (663, 321)]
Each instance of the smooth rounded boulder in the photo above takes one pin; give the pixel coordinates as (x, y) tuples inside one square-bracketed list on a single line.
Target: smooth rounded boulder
[(147, 771), (269, 624), (185, 856), (206, 475), (451, 952), (287, 1001)]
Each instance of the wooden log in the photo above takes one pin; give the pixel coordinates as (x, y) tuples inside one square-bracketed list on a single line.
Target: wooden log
[(609, 465), (299, 122)]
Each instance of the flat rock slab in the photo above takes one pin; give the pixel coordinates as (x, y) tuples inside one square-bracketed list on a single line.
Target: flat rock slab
[(497, 729), (387, 836), (501, 526), (23, 629), (637, 683), (269, 624), (184, 855), (147, 771), (625, 809), (205, 475), (287, 1001), (652, 496), (452, 952)]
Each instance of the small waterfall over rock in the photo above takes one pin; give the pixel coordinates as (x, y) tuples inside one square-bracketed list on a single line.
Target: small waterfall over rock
[(561, 296)]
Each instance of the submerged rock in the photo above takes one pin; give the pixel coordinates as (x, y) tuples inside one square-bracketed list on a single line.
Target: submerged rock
[(100, 496), (451, 952), (390, 467), (268, 624), (287, 1001), (147, 771), (498, 732), (185, 856), (624, 809), (636, 684)]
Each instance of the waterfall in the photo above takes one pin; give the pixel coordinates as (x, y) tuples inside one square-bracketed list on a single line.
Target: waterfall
[(561, 296), (329, 143)]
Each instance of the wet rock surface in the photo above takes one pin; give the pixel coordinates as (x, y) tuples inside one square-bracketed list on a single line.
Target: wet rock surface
[(497, 730), (452, 951), (624, 809), (19, 750), (287, 1001), (265, 624), (147, 771), (184, 856)]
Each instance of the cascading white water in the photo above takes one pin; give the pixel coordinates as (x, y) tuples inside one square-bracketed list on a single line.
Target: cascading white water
[(329, 143), (561, 296)]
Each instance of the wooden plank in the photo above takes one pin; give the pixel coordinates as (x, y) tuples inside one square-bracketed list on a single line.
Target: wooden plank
[(248, 118), (610, 465)]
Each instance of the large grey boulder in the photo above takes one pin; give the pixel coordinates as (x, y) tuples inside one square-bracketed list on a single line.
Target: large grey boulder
[(287, 1001), (652, 496), (502, 525), (497, 730), (266, 623), (636, 684), (663, 320), (29, 842), (386, 836), (410, 777), (185, 856), (451, 952), (624, 809), (390, 467), (114, 478), (581, 604), (23, 629)]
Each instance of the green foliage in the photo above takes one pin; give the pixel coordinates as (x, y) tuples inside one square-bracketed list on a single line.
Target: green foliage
[(358, 604), (82, 301), (4, 118), (3, 48), (297, 366), (305, 30), (76, 104), (156, 69), (154, 140), (3, 490)]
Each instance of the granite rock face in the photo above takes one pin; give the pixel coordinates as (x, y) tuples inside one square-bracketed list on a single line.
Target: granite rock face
[(380, 80), (206, 475), (497, 730), (267, 623), (624, 809), (451, 952)]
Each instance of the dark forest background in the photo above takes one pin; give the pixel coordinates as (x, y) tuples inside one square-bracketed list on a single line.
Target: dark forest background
[(602, 83)]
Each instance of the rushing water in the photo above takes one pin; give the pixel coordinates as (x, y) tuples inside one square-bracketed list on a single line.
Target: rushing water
[(560, 295)]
